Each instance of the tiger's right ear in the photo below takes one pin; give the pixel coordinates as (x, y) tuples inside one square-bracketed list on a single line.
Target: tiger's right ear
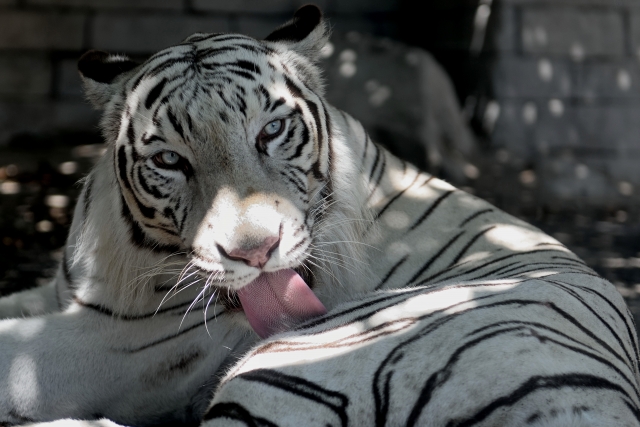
[(100, 71), (306, 33)]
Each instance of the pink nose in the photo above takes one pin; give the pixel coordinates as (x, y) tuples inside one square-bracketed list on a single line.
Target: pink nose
[(257, 256)]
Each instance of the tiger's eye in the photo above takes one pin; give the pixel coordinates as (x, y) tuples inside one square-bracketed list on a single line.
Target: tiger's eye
[(273, 128), (167, 159), (170, 158)]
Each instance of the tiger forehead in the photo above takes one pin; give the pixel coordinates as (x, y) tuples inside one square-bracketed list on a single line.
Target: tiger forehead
[(216, 60), (211, 79)]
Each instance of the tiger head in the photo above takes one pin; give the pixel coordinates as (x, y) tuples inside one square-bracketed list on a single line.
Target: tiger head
[(222, 148)]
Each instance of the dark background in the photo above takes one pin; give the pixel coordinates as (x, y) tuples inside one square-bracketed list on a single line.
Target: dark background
[(550, 90)]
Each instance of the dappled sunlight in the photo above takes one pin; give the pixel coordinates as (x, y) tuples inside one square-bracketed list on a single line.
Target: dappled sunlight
[(24, 331), (347, 60), (545, 70), (625, 188), (10, 188), (556, 107), (397, 219), (378, 93), (513, 237), (577, 52), (397, 250), (491, 116), (480, 21), (623, 80), (23, 379)]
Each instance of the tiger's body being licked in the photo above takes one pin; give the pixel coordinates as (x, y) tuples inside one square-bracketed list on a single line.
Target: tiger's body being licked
[(233, 202)]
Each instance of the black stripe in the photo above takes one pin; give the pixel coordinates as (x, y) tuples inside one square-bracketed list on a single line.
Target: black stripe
[(375, 162), (159, 68), (176, 125), (248, 65), (226, 37), (468, 245), (128, 317), (381, 402), (146, 211), (295, 182), (235, 411), (589, 308), (390, 273), (336, 402), (303, 143), (549, 264), (575, 260), (293, 88), (122, 167), (313, 108), (276, 104), (154, 93), (366, 147), (383, 166), (153, 191), (88, 187), (244, 74), (199, 38), (435, 257), (65, 269), (394, 198), (138, 237), (440, 377), (474, 216), (543, 339), (265, 93), (214, 51), (473, 270), (170, 337), (146, 140), (324, 319), (632, 335), (430, 210), (574, 380)]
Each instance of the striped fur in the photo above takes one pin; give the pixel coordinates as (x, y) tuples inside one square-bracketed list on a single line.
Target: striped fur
[(443, 310)]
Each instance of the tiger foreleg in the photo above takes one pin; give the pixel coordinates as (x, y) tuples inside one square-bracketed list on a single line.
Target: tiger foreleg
[(82, 363), (31, 302)]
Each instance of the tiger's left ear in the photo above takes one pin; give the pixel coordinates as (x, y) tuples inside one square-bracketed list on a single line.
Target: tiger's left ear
[(306, 33)]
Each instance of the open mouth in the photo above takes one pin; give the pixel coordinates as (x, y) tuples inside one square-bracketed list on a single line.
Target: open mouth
[(276, 301), (230, 301)]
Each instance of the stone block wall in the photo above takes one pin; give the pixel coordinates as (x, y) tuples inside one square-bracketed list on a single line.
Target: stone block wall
[(552, 85), (41, 40), (565, 96)]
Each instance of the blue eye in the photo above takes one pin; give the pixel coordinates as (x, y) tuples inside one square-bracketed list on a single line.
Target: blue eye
[(273, 128), (167, 159), (170, 158)]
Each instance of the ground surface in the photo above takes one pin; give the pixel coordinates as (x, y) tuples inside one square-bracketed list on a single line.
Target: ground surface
[(39, 185)]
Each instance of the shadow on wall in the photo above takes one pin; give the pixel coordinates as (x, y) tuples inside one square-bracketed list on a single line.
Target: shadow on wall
[(553, 86)]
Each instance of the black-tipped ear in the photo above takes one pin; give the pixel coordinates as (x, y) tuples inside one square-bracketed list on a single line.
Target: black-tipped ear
[(304, 21), (102, 67), (306, 33), (99, 70)]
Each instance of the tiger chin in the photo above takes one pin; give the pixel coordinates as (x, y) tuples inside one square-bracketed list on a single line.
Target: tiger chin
[(243, 252)]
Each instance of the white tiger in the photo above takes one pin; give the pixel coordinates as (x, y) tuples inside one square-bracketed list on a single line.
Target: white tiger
[(233, 203)]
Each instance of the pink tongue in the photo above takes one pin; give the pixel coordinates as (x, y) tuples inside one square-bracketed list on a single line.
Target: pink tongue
[(275, 302)]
